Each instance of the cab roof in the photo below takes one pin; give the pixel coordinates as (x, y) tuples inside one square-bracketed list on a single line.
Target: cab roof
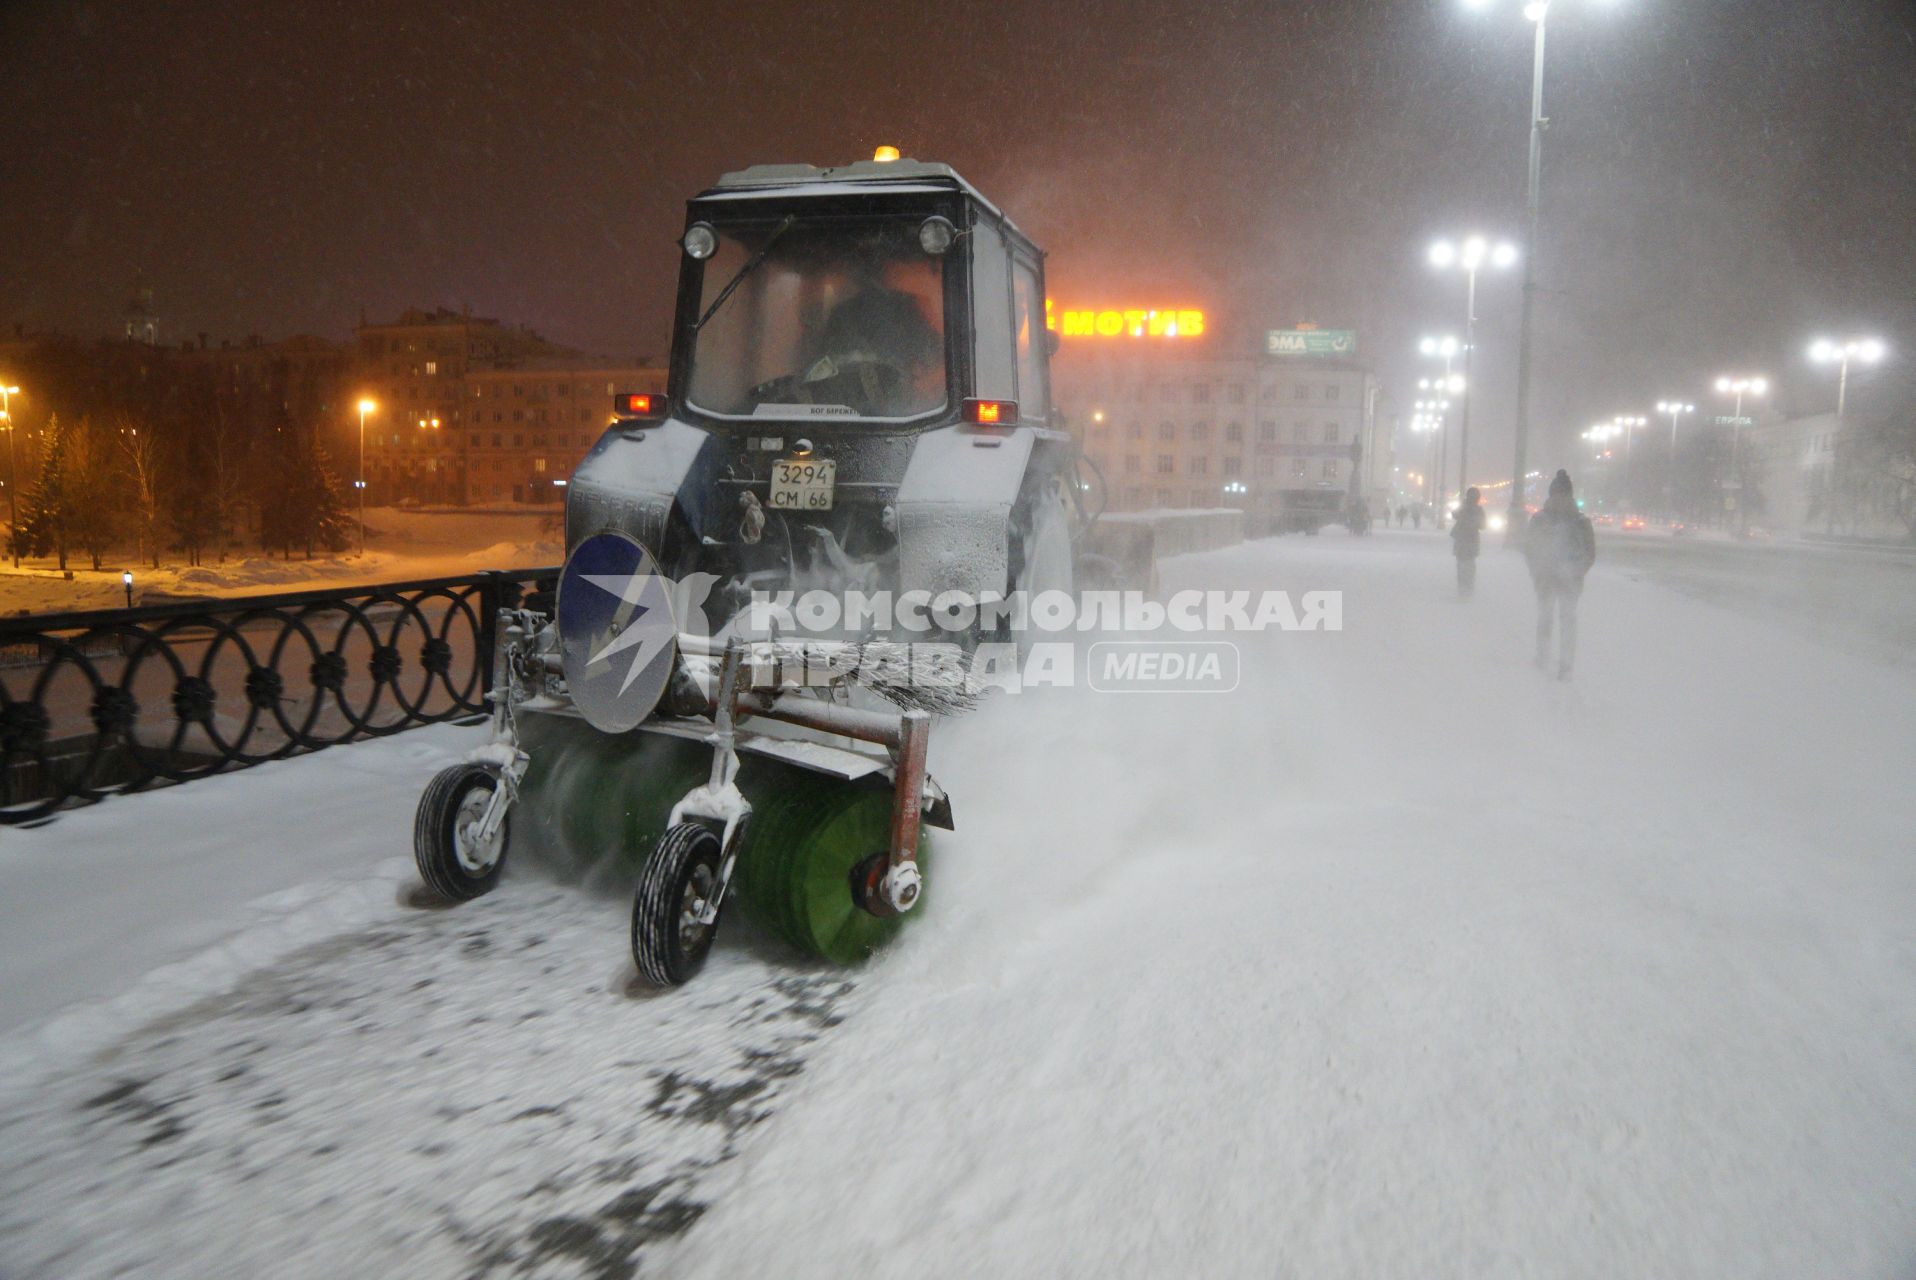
[(863, 175)]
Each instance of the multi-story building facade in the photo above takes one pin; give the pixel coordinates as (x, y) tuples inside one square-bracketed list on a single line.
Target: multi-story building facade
[(469, 410), (1288, 439)]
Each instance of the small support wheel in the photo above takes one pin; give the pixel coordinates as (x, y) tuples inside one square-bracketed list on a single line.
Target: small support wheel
[(453, 861), (669, 937)]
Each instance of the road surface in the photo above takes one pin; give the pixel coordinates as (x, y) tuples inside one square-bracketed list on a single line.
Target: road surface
[(1402, 959)]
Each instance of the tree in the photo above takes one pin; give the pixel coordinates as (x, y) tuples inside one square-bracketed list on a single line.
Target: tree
[(144, 481), (96, 490), (298, 495), (43, 525)]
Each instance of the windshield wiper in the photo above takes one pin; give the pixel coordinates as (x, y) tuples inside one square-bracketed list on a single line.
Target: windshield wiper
[(745, 270)]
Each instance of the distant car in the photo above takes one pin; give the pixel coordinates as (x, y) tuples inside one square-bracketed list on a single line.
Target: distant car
[(1678, 529), (1632, 523), (1603, 521)]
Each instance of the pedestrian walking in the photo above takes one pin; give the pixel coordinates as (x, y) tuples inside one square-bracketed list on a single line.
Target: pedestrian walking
[(1466, 540), (1417, 518), (1560, 546)]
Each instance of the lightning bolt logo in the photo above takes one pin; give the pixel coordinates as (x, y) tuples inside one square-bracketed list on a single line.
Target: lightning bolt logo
[(646, 639)]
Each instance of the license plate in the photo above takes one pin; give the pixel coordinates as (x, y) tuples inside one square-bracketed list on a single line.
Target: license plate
[(803, 484)]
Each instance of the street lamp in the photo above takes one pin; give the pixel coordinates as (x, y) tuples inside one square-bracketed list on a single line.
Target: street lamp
[(1443, 347), (1538, 12), (1740, 385), (1676, 409), (1473, 253), (366, 406), (13, 483), (1863, 350)]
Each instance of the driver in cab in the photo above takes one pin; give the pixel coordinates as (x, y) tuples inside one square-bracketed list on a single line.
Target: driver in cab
[(878, 353)]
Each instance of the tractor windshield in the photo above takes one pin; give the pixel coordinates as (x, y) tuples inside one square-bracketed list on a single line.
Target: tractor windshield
[(838, 318)]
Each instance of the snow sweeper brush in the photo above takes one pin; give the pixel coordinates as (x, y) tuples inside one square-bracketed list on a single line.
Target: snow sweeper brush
[(620, 743)]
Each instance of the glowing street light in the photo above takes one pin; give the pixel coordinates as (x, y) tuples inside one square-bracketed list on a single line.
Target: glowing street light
[(1862, 350), (1445, 347), (366, 406), (1470, 255), (1537, 12), (1676, 409), (1740, 385), (13, 503)]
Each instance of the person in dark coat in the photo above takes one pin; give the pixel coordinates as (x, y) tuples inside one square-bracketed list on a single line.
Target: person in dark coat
[(1560, 546), (1466, 540)]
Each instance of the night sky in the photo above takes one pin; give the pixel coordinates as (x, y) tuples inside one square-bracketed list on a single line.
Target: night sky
[(1724, 179)]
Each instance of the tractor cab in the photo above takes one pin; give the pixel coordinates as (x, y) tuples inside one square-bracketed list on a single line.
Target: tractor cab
[(876, 296)]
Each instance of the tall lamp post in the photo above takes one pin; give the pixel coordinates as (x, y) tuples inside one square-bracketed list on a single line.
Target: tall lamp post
[(1538, 12), (1676, 409), (1447, 349), (1740, 386), (1475, 252), (365, 407), (1627, 425), (13, 481), (1862, 350)]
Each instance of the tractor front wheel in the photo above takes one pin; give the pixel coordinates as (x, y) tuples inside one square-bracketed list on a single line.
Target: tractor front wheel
[(670, 938), (453, 861)]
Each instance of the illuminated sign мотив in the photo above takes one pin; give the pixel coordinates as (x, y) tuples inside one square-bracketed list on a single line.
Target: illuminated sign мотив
[(1125, 322)]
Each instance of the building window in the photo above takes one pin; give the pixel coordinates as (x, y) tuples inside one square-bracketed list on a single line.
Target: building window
[(1270, 393), (498, 440), (1297, 468), (432, 368), (1300, 392), (1199, 466), (1330, 468), (1330, 392), (1168, 393), (1267, 433), (517, 389), (1232, 466), (1235, 393), (518, 440), (1200, 431), (1300, 431), (1234, 433), (1135, 431), (1200, 393), (539, 465), (1167, 431), (1267, 467), (1131, 465), (475, 439), (1330, 433), (1167, 465)]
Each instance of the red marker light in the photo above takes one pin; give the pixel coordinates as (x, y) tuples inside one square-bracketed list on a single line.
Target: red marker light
[(992, 413), (630, 405)]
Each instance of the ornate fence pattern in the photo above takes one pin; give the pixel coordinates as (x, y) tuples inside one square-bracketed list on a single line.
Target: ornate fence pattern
[(97, 703)]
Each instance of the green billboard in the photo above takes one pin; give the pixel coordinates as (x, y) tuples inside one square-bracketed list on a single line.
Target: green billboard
[(1337, 343)]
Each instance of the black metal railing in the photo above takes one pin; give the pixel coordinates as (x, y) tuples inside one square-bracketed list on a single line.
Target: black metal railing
[(102, 702)]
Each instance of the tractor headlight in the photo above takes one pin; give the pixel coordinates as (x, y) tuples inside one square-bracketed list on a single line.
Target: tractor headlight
[(700, 241), (935, 235)]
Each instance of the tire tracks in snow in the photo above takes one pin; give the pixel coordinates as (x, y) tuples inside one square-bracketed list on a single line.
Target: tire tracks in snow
[(486, 1091)]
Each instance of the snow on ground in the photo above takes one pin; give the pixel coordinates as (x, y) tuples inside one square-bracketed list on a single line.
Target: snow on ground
[(1401, 960), (401, 545)]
